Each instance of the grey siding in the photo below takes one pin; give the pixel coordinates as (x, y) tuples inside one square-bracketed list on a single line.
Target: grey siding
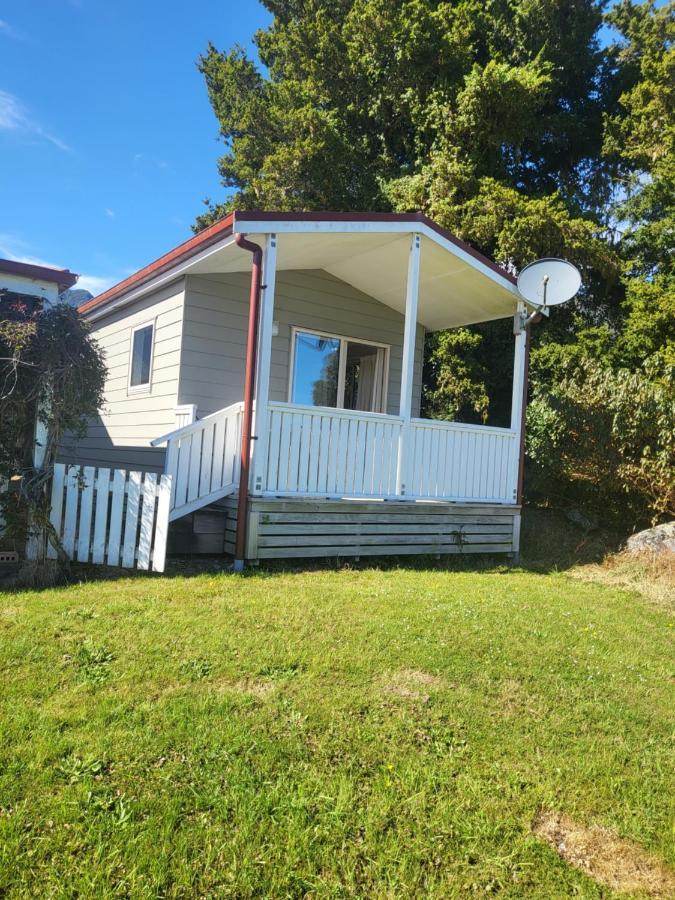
[(121, 435), (214, 343)]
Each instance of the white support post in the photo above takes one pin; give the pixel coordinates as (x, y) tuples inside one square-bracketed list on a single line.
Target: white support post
[(408, 366), (518, 368), (259, 462), (519, 395)]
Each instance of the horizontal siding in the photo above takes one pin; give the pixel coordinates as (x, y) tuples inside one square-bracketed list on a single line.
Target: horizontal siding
[(216, 320), (281, 529), (120, 436), (214, 341)]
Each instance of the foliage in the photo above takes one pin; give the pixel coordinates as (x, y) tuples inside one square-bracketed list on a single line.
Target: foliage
[(606, 437), (602, 422), (357, 733), (454, 378), (51, 370)]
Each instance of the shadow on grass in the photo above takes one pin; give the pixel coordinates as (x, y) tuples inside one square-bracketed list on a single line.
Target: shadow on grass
[(549, 543)]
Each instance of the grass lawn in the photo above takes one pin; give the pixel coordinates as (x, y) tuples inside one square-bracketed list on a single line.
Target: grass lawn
[(354, 733)]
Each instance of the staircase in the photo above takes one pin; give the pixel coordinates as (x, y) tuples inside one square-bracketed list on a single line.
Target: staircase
[(203, 460)]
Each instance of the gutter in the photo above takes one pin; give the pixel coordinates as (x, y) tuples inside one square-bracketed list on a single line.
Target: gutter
[(249, 387)]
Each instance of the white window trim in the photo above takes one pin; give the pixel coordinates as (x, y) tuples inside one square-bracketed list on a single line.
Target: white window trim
[(147, 386), (344, 339)]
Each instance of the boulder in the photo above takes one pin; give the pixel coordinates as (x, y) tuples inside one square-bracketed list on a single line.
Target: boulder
[(660, 539)]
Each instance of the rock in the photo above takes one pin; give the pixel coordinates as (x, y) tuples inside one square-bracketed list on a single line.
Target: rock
[(660, 539)]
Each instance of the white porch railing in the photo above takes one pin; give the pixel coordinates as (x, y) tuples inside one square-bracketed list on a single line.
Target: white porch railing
[(315, 451), (319, 452), (460, 462), (203, 460), (330, 452)]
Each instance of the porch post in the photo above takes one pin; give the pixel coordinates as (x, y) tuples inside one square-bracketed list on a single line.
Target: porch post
[(519, 396), (264, 365), (408, 367), (518, 368)]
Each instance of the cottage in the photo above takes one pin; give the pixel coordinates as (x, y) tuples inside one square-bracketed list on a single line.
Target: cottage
[(272, 365)]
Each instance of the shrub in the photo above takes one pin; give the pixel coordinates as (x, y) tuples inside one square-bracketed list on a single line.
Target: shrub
[(51, 370), (606, 438)]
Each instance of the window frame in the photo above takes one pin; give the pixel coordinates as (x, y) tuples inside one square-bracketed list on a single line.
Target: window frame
[(342, 364), (146, 387)]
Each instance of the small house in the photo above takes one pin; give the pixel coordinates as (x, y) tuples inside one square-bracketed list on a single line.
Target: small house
[(272, 365)]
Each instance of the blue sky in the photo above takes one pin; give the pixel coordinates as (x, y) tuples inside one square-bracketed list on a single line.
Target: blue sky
[(108, 143)]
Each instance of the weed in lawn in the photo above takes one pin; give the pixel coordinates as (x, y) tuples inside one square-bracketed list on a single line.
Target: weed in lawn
[(197, 669), (93, 661), (117, 809), (74, 769), (281, 670)]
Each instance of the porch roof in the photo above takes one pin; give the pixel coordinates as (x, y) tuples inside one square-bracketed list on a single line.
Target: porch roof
[(458, 286)]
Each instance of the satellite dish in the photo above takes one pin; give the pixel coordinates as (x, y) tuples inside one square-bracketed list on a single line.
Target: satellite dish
[(548, 282)]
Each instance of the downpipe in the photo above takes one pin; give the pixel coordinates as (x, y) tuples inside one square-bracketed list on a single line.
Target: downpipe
[(249, 389)]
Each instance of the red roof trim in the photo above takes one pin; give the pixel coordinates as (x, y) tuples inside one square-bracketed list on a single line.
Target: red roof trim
[(63, 277), (188, 248), (224, 227)]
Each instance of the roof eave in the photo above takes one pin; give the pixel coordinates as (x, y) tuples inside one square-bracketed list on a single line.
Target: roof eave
[(63, 278)]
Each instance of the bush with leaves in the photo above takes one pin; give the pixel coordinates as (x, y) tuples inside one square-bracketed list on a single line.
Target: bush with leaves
[(51, 369), (605, 438)]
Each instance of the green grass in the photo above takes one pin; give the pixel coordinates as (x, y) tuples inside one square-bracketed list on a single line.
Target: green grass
[(354, 733)]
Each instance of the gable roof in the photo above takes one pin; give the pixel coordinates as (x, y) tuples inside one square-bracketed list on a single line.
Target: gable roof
[(257, 221)]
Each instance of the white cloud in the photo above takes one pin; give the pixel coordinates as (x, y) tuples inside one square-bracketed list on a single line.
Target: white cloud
[(146, 160), (10, 31), (110, 213), (96, 283), (15, 249), (13, 117)]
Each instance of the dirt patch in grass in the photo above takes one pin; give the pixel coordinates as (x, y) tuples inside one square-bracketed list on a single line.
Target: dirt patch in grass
[(650, 574), (9, 612), (515, 700), (412, 684), (249, 686), (605, 857)]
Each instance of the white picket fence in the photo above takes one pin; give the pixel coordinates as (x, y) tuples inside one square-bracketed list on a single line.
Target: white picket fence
[(111, 516)]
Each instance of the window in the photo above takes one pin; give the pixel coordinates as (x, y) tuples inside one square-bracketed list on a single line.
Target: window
[(140, 367), (339, 372)]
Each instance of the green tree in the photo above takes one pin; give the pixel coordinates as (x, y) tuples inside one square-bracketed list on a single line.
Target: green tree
[(641, 137)]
